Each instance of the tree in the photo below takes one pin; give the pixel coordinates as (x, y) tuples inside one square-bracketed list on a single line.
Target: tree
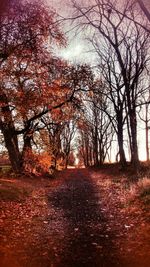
[(85, 143), (26, 29), (109, 23), (67, 137), (115, 94), (60, 123), (95, 126)]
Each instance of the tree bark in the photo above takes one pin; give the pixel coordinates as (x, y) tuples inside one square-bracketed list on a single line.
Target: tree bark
[(147, 132), (96, 147), (8, 129), (120, 140), (134, 146), (133, 127), (121, 150), (11, 144)]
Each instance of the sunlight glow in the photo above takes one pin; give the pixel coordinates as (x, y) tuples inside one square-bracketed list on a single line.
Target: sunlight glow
[(72, 52)]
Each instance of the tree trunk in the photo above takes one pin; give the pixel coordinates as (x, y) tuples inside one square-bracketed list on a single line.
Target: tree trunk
[(11, 144), (129, 135), (10, 137), (134, 146), (147, 146), (90, 156), (133, 129), (120, 140), (87, 154), (101, 152), (67, 156), (96, 146), (27, 143), (26, 160), (147, 132), (121, 150), (66, 162)]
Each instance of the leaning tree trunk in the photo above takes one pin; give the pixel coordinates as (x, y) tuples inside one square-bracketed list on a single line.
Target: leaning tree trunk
[(10, 138), (11, 144)]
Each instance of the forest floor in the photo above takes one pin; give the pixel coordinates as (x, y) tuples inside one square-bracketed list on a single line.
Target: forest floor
[(91, 218)]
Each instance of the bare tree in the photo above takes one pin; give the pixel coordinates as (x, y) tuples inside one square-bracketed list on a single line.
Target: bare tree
[(129, 45), (67, 136), (95, 126), (115, 94)]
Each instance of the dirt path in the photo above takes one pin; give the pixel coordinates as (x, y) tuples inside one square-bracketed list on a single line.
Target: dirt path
[(88, 242), (81, 224)]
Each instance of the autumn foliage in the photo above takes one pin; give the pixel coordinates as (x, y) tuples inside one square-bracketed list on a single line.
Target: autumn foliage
[(35, 163)]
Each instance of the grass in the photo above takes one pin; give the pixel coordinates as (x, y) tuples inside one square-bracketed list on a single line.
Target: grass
[(133, 187), (137, 190), (145, 192), (13, 192)]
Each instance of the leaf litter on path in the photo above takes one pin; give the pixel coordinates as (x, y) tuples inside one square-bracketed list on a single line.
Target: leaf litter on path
[(78, 220)]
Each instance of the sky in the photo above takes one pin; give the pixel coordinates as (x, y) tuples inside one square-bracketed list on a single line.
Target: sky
[(77, 48)]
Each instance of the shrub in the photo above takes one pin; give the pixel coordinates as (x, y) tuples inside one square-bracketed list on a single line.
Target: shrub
[(36, 164)]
